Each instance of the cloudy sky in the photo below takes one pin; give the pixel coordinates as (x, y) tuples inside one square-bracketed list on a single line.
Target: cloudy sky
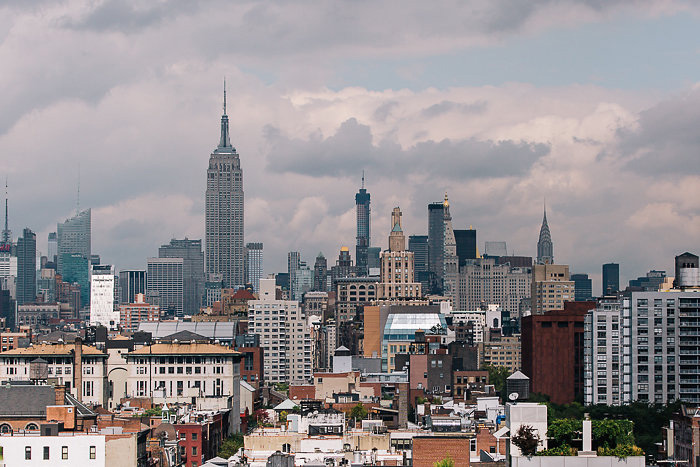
[(591, 104)]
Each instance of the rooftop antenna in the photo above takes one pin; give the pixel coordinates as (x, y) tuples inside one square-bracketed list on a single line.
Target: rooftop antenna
[(363, 179), (224, 95)]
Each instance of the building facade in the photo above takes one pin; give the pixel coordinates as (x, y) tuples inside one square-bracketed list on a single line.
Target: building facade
[(224, 211), (192, 271), (74, 236), (397, 280), (254, 264), (364, 219), (102, 287), (131, 283), (611, 278), (545, 246), (583, 287), (138, 311), (26, 267), (484, 281), (551, 287), (165, 284), (284, 336)]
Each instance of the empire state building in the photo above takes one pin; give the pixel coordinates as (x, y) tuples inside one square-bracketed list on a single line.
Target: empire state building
[(224, 211)]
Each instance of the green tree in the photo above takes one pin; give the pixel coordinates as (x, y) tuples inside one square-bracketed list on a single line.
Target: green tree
[(526, 439), (497, 377), (446, 462), (230, 446), (359, 412)]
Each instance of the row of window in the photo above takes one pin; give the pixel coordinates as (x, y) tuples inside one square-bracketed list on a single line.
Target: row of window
[(64, 453)]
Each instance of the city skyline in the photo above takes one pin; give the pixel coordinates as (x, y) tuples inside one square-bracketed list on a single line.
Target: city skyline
[(586, 137)]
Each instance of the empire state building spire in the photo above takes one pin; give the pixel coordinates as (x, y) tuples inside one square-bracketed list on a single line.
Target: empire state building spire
[(545, 247), (225, 141)]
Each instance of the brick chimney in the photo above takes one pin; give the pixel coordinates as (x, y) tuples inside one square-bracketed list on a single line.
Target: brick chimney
[(60, 394), (78, 368)]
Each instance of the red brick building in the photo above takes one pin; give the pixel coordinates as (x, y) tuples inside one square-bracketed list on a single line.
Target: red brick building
[(552, 351), (427, 450)]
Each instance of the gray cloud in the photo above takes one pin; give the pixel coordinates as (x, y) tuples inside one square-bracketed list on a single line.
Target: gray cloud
[(351, 148), (666, 140), (443, 107)]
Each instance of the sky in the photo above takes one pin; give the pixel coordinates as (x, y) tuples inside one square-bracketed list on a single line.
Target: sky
[(591, 105)]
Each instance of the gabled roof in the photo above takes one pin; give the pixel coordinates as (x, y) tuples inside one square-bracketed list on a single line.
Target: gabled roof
[(518, 375), (185, 336), (286, 404), (243, 294)]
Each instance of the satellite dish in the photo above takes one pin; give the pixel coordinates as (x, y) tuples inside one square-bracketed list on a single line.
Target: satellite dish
[(513, 396)]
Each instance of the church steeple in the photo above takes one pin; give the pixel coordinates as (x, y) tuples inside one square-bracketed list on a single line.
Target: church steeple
[(225, 140), (545, 247)]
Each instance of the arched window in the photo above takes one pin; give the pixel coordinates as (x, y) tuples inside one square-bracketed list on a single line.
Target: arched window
[(31, 427), (5, 428)]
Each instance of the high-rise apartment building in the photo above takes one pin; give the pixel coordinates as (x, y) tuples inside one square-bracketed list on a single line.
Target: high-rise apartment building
[(362, 202), (192, 269), (254, 264), (665, 335), (397, 279), (102, 309), (74, 236), (165, 284), (320, 273), (131, 283), (551, 287), (131, 314), (293, 262), (224, 211), (607, 349), (583, 287), (611, 278), (26, 267), (545, 247), (485, 281), (284, 334), (436, 240)]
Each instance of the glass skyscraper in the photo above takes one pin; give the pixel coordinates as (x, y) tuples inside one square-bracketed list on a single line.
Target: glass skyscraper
[(76, 270), (192, 270), (74, 236), (362, 202)]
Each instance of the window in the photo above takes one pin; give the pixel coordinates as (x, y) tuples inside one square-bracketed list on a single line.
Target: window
[(28, 453), (93, 452), (194, 435), (64, 452), (46, 453), (194, 450)]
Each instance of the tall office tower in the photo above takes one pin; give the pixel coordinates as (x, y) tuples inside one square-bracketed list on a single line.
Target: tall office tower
[(254, 264), (545, 247), (320, 273), (131, 283), (74, 236), (664, 330), (450, 267), (611, 278), (26, 267), (6, 232), (687, 271), (284, 336), (76, 270), (8, 261), (293, 262), (397, 279), (52, 247), (551, 287), (373, 254), (224, 211), (484, 280), (606, 356), (304, 281), (418, 244), (192, 271), (436, 240), (583, 287), (362, 199), (165, 284), (466, 245), (102, 309), (343, 266)]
